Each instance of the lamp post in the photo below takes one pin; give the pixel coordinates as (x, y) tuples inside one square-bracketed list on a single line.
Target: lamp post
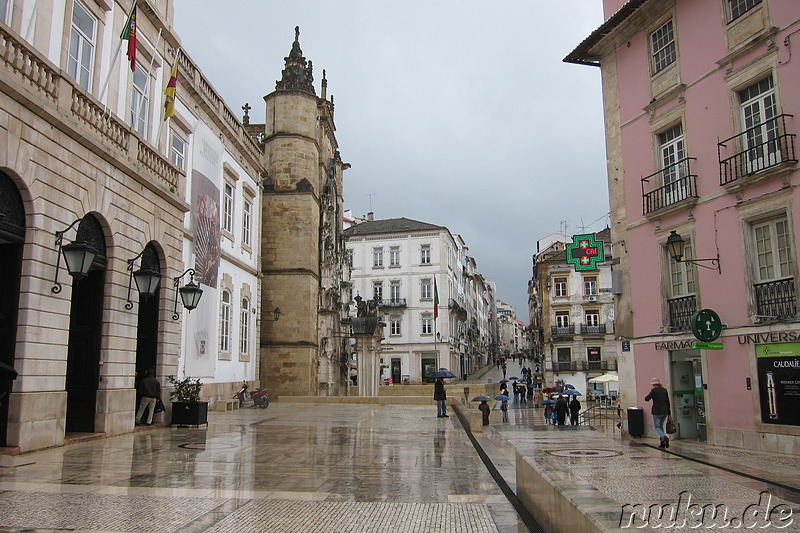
[(78, 257), (147, 280), (190, 293), (675, 248)]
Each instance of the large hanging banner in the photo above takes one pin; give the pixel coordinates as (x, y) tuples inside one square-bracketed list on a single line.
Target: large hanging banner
[(206, 174), (779, 382)]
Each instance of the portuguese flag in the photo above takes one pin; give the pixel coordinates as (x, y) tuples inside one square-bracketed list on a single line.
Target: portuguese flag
[(129, 34)]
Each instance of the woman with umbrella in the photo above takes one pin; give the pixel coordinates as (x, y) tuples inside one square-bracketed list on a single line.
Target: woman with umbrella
[(503, 406), (439, 393)]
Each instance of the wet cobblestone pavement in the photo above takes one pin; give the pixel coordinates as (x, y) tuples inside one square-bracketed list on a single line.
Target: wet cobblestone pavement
[(293, 468)]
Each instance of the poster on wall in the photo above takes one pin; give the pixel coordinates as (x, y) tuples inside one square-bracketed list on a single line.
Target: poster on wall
[(205, 226), (779, 382)]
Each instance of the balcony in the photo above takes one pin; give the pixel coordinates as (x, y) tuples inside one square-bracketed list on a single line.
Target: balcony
[(599, 329), (565, 366), (680, 312), (599, 366), (679, 185), (394, 303), (776, 300), (756, 149), (561, 331)]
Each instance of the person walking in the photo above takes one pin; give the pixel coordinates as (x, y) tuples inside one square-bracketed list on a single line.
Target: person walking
[(484, 409), (561, 411), (537, 398), (440, 395), (548, 413), (504, 410), (660, 409), (574, 410), (150, 391), (505, 369)]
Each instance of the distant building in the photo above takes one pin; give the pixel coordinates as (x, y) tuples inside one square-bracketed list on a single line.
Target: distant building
[(572, 315), (403, 263)]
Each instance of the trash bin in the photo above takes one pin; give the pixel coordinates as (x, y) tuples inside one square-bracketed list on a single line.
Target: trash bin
[(635, 421)]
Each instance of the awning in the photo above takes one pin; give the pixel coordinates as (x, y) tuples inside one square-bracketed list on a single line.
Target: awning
[(605, 378)]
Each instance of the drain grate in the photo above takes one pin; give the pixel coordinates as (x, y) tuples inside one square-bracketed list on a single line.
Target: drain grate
[(584, 454)]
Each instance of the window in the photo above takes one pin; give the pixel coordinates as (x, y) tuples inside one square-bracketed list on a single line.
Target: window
[(244, 325), (740, 7), (682, 274), (227, 207), (394, 291), (673, 164), (560, 286), (394, 325), (177, 154), (81, 45), (394, 256), (427, 291), (590, 285), (4, 12), (225, 322), (425, 254), (562, 319), (140, 100), (247, 209), (377, 290), (663, 47), (348, 256), (592, 318), (377, 257), (773, 248), (593, 357), (427, 325), (564, 355), (762, 137)]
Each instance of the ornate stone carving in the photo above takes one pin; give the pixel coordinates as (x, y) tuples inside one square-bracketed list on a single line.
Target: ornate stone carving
[(297, 73)]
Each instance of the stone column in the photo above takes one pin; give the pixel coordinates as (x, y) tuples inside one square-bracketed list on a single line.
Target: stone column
[(368, 332)]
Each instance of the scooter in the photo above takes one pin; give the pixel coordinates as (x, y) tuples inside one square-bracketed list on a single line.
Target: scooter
[(259, 398)]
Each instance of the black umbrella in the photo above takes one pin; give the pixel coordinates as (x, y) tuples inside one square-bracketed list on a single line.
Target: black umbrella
[(7, 372), (442, 373)]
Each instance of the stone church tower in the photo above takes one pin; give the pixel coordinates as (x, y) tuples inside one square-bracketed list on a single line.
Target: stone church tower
[(302, 247)]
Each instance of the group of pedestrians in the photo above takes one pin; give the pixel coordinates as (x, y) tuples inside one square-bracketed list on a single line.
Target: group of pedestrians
[(556, 414)]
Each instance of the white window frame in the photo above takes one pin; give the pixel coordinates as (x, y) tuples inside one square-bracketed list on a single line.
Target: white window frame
[(737, 8), (561, 286), (377, 290), (377, 257), (671, 150), (225, 321), (244, 327), (663, 49), (562, 319), (349, 255), (590, 285), (773, 256), (247, 221), (228, 198), (80, 63), (683, 275), (427, 324), (394, 291), (394, 256), (426, 288), (177, 155), (425, 254), (395, 328), (758, 106), (592, 322), (140, 101)]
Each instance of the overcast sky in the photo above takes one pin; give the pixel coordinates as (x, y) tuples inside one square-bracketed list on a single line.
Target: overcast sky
[(453, 112)]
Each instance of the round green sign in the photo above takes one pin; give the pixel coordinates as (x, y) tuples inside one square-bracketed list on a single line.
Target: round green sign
[(706, 325)]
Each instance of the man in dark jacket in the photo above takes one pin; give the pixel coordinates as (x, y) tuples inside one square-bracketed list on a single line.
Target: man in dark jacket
[(574, 411), (660, 409), (561, 411), (440, 396), (150, 391)]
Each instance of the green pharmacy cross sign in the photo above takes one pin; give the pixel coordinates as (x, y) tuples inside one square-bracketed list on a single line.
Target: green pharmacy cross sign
[(584, 252)]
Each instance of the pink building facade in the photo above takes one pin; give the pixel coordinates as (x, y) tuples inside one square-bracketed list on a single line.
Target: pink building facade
[(701, 109)]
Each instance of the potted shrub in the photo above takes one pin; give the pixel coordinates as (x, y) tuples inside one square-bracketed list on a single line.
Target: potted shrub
[(187, 409)]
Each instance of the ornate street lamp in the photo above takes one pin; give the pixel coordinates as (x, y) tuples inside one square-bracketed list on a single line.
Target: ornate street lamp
[(78, 257), (147, 279), (277, 313), (190, 293), (675, 248)]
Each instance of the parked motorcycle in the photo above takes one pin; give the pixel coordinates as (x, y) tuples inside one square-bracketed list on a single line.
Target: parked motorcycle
[(258, 398)]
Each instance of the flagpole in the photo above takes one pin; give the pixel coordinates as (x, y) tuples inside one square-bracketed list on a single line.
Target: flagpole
[(114, 61)]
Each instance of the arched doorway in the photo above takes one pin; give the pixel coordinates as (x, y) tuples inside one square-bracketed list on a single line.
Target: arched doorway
[(147, 330), (85, 325), (12, 237)]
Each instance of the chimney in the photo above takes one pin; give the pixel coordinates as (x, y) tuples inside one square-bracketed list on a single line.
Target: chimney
[(370, 216)]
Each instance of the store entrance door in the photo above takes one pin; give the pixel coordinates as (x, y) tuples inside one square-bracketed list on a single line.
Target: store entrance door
[(688, 399)]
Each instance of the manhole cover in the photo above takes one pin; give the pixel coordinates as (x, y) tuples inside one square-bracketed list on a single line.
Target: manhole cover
[(584, 454)]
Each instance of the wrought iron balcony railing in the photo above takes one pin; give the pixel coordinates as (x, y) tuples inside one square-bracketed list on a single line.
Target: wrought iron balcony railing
[(776, 300), (556, 331), (681, 311), (600, 366), (394, 302), (599, 329), (763, 146), (565, 366), (677, 184)]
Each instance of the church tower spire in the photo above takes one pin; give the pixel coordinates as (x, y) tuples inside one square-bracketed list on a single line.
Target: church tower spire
[(297, 73)]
